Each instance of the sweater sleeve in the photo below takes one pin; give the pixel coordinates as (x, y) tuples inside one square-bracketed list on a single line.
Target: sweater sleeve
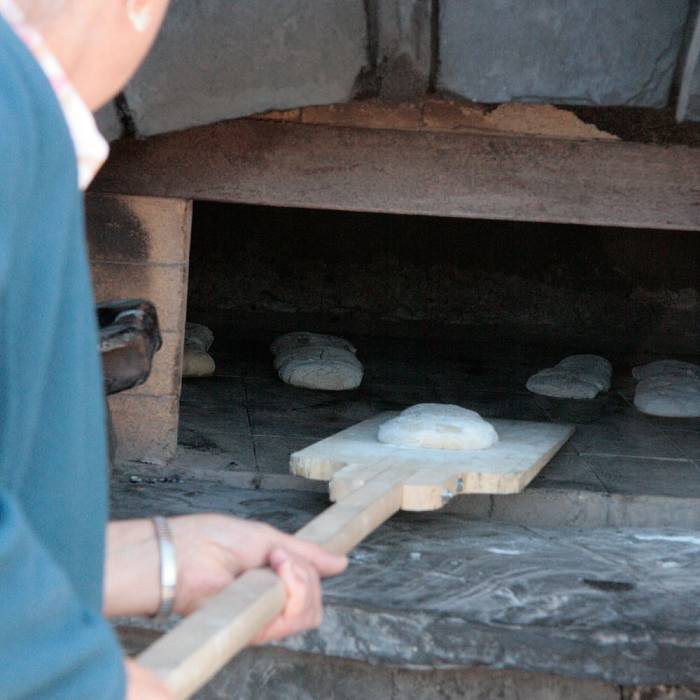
[(50, 646)]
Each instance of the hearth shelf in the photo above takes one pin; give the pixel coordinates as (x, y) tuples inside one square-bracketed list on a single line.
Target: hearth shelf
[(476, 175)]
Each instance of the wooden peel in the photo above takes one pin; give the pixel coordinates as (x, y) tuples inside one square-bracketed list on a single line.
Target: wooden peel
[(369, 481)]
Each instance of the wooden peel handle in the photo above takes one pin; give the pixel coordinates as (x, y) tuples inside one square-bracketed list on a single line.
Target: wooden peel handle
[(190, 654), (195, 649)]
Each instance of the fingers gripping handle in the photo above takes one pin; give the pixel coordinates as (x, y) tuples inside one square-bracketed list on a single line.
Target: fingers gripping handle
[(199, 646), (194, 650)]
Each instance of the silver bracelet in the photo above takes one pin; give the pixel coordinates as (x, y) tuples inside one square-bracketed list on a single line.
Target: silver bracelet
[(168, 567)]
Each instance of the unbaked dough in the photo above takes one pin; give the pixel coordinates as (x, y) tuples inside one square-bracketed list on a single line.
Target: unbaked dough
[(316, 361), (575, 377), (304, 339), (666, 368), (196, 361), (198, 335), (597, 370), (668, 388), (439, 426), (329, 369), (300, 353)]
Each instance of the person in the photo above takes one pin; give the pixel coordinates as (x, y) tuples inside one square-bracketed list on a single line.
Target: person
[(63, 570)]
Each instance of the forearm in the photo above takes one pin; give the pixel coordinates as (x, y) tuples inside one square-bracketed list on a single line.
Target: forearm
[(131, 582)]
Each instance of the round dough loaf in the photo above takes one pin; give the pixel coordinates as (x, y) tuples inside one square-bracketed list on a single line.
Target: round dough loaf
[(594, 369), (671, 396), (669, 388), (666, 368), (196, 361), (562, 384), (198, 335), (303, 339), (326, 368), (306, 354), (440, 427), (575, 377)]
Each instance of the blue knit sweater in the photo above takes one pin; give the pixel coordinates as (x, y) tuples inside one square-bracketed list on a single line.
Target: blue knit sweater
[(54, 642)]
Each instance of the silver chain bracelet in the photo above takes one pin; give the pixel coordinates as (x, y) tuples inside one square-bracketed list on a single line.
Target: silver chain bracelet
[(168, 567)]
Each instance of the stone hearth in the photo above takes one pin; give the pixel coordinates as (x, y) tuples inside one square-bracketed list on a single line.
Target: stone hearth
[(584, 586)]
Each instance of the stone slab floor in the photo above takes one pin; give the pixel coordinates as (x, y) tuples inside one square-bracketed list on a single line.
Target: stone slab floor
[(619, 605), (620, 468), (584, 586)]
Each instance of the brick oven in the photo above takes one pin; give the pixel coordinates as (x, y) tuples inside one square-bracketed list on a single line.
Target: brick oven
[(397, 173)]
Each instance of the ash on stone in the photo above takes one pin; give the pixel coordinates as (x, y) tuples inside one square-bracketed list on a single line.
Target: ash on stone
[(316, 361), (668, 388), (196, 360), (575, 377)]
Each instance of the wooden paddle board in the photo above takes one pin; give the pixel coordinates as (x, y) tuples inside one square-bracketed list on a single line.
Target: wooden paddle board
[(370, 481)]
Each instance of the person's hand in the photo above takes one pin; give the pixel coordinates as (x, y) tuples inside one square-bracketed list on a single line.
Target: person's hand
[(141, 684), (303, 609), (212, 550)]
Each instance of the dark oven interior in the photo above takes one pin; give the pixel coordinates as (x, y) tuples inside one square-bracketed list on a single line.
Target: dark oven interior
[(441, 310)]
